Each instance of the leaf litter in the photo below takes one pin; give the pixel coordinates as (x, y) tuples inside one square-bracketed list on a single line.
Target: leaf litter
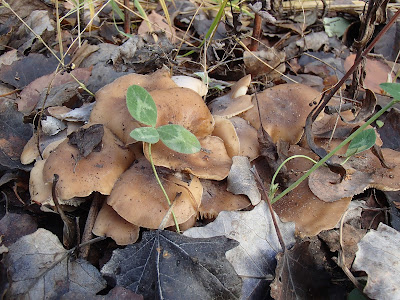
[(320, 65)]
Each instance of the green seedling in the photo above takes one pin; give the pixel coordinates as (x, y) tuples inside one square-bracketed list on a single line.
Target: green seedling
[(366, 138), (142, 108)]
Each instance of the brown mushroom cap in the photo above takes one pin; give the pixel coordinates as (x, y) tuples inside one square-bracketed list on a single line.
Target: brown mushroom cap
[(110, 108), (248, 139), (191, 83), (184, 107), (226, 131), (216, 199), (301, 206), (364, 170), (233, 103), (40, 191), (239, 136), (110, 224), (284, 109), (212, 163), (97, 172), (138, 198)]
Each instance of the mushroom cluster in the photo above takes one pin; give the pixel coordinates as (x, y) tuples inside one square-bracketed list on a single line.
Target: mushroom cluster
[(101, 156), (112, 163)]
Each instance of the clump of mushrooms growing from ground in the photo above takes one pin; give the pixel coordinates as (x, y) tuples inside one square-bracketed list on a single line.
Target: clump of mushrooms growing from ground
[(102, 157)]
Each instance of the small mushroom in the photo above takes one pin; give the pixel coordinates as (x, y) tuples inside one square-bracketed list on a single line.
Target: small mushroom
[(191, 83), (284, 109), (138, 198), (248, 140), (110, 108), (226, 131), (213, 162), (80, 176), (301, 206), (364, 171), (233, 103), (216, 199), (110, 224)]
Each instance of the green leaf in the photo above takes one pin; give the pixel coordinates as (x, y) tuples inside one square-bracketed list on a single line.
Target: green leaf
[(379, 123), (391, 88), (179, 139), (145, 134), (365, 140), (335, 26), (141, 105)]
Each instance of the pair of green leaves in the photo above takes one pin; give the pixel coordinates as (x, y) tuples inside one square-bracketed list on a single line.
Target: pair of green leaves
[(142, 107)]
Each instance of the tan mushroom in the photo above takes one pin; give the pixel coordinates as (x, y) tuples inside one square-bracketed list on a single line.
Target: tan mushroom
[(233, 103), (364, 171), (110, 224), (79, 177), (184, 107), (110, 108), (216, 199), (284, 109), (226, 131), (301, 206), (213, 162), (138, 198), (191, 83)]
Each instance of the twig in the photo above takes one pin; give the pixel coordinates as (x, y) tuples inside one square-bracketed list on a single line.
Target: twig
[(87, 233), (127, 18), (278, 232), (256, 33), (69, 230), (325, 98)]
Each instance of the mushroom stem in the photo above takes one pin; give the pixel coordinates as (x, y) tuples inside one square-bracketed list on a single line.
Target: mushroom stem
[(162, 188)]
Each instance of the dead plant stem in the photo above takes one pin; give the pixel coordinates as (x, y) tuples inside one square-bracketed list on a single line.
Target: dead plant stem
[(261, 184)]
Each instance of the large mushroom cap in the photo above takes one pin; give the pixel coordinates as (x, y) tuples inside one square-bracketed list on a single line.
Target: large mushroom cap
[(80, 176), (284, 109), (138, 198), (213, 162), (110, 108), (183, 106)]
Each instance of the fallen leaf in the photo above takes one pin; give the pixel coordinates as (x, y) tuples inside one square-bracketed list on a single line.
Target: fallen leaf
[(117, 293), (378, 256), (313, 41), (241, 180), (168, 265), (390, 131), (301, 275), (254, 259), (39, 268), (31, 94), (393, 198), (41, 25), (14, 134), (87, 140), (159, 23), (376, 72), (22, 72), (13, 226), (350, 237)]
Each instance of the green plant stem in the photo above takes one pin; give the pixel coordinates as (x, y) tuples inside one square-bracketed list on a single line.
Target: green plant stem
[(272, 190), (162, 188), (330, 154)]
